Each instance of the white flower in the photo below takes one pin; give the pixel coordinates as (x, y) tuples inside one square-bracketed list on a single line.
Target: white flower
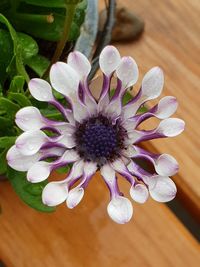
[(97, 134)]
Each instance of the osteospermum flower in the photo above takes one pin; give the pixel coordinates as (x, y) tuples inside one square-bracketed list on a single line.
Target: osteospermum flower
[(97, 134)]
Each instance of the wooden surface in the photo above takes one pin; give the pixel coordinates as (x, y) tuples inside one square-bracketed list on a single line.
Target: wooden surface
[(85, 236), (172, 41)]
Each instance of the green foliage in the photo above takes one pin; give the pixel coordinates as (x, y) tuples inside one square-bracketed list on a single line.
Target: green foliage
[(47, 17), (29, 193), (20, 22), (6, 53), (38, 64), (16, 51), (17, 84), (64, 169), (16, 62), (5, 143)]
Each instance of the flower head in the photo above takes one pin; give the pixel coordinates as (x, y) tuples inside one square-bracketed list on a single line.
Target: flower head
[(97, 134)]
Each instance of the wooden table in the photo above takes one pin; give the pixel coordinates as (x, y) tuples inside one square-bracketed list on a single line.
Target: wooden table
[(85, 236)]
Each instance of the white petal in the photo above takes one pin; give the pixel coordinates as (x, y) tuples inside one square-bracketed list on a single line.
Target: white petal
[(129, 152), (139, 193), (152, 83), (120, 210), (39, 172), (76, 170), (118, 165), (171, 127), (80, 111), (56, 151), (134, 136), (20, 162), (166, 107), (109, 59), (30, 142), (129, 125), (89, 168), (114, 108), (108, 174), (40, 90), (64, 79), (54, 193), (166, 165), (79, 63), (127, 72), (150, 180), (64, 127), (75, 196), (70, 156), (91, 105), (164, 189), (67, 140), (29, 118)]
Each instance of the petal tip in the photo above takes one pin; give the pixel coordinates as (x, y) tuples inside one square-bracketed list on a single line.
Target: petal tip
[(120, 210)]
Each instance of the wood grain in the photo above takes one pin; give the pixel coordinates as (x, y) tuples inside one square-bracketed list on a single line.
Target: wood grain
[(171, 41), (86, 237)]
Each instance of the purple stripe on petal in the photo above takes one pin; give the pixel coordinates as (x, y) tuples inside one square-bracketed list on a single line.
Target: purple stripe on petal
[(135, 98), (65, 112), (149, 136), (51, 145), (62, 161), (105, 86), (113, 188), (88, 99), (121, 168), (118, 91), (81, 94)]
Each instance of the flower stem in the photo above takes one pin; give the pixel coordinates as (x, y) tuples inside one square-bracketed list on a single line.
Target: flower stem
[(66, 30), (70, 11)]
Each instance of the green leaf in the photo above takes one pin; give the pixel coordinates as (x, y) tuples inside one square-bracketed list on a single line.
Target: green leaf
[(20, 99), (1, 90), (30, 47), (127, 97), (7, 141), (47, 3), (38, 64), (29, 193), (58, 95), (9, 107), (142, 109), (17, 60), (6, 53), (64, 169), (47, 17), (5, 124), (17, 84), (44, 28), (3, 165), (52, 114), (55, 116)]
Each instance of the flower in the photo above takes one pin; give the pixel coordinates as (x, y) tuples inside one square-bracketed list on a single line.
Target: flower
[(97, 135)]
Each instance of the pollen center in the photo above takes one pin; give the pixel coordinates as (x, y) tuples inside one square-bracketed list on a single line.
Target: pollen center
[(99, 140)]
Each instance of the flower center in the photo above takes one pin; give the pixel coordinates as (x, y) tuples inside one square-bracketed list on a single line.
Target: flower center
[(99, 140)]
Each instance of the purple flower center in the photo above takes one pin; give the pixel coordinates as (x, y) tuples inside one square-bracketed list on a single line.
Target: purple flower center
[(99, 140)]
